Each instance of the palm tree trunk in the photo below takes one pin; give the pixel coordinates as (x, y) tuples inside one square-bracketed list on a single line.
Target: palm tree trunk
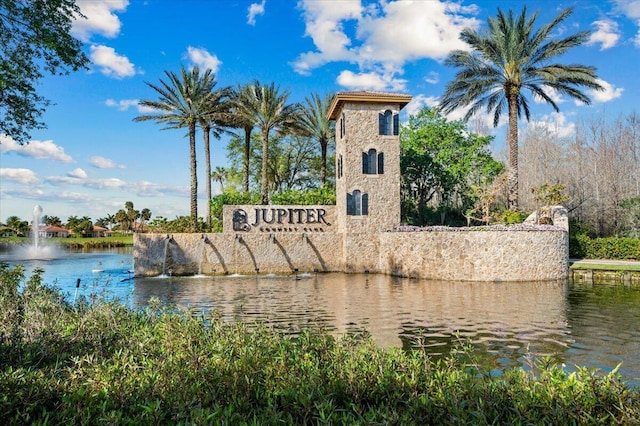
[(323, 166), (194, 175), (207, 159), (512, 141), (247, 153), (265, 148)]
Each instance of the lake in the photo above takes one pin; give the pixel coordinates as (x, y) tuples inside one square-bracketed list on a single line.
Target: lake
[(507, 324)]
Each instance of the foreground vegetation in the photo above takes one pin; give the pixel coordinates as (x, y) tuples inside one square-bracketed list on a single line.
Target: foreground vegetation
[(101, 362)]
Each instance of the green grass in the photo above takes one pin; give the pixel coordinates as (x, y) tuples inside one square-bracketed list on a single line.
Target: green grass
[(604, 266), (104, 363), (114, 241)]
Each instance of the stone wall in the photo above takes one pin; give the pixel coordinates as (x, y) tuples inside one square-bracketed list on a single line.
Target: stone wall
[(476, 255), (461, 255), (229, 253)]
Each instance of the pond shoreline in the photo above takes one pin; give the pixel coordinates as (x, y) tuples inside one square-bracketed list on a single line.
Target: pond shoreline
[(625, 271), (71, 243)]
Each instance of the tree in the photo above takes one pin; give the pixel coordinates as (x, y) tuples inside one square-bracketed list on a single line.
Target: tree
[(213, 121), (316, 124), (293, 162), (243, 117), (19, 226), (122, 219), (102, 222), (51, 220), (509, 58), (79, 225), (270, 111), (145, 215), (183, 103), (132, 215), (440, 162), (219, 175), (34, 38)]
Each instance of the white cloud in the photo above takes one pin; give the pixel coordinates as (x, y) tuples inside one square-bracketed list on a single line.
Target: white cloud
[(149, 189), (100, 18), (203, 59), (555, 123), (432, 78), (418, 102), (254, 10), (609, 93), (325, 25), (110, 183), (110, 63), (40, 150), (104, 163), (77, 173), (370, 81), (385, 35), (21, 176), (607, 34), (631, 8), (414, 30), (122, 105)]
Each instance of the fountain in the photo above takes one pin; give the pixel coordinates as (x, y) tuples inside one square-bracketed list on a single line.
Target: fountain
[(203, 253), (237, 240), (167, 241), (308, 257), (36, 250)]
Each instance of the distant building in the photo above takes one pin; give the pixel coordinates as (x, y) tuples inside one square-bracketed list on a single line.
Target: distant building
[(53, 231), (97, 232)]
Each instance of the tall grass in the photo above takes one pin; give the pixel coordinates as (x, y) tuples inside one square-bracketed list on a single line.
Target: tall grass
[(99, 362)]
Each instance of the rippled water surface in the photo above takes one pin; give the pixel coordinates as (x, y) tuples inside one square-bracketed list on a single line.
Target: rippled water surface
[(591, 325)]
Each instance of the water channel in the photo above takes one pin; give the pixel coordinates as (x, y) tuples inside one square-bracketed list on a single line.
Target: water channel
[(507, 324)]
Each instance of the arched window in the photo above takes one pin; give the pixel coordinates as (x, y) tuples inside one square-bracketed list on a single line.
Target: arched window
[(372, 162), (357, 203), (388, 123)]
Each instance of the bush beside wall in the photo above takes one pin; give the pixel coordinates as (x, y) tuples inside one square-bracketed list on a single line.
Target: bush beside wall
[(583, 247)]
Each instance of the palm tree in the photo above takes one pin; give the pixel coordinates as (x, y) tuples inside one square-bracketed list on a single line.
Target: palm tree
[(507, 59), (270, 112), (213, 121), (316, 124), (243, 117), (182, 104), (220, 175)]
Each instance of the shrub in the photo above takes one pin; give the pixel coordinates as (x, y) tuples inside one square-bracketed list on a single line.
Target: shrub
[(316, 196), (582, 246), (103, 363), (511, 217)]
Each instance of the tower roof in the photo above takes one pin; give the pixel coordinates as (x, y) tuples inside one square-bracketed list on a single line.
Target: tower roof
[(368, 97)]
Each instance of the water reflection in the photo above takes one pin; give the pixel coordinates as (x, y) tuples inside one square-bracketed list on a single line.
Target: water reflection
[(591, 325), (505, 321), (605, 325)]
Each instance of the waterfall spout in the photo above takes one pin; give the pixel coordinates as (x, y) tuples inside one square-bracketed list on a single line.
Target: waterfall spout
[(167, 241)]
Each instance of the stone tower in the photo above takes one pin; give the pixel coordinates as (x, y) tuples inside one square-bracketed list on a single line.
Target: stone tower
[(367, 160)]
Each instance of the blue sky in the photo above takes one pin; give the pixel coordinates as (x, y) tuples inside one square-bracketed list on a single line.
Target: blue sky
[(93, 157)]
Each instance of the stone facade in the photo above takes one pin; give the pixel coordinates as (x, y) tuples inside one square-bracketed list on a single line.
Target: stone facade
[(462, 255), (358, 233), (360, 136)]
